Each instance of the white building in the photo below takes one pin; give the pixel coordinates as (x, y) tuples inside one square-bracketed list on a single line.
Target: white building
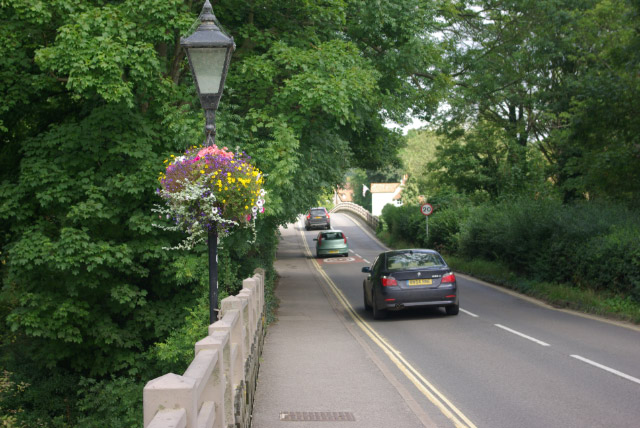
[(386, 193)]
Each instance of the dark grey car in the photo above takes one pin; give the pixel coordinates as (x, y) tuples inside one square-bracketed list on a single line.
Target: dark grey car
[(317, 218), (406, 278)]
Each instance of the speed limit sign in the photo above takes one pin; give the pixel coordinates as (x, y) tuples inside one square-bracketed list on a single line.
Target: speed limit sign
[(426, 209)]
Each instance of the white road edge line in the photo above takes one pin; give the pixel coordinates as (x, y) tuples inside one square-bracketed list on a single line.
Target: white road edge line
[(470, 313), (367, 261), (539, 342), (609, 369)]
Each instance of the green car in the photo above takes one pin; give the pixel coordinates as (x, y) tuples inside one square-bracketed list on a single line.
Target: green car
[(331, 242)]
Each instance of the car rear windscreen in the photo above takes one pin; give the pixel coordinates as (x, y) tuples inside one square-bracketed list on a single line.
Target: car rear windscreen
[(317, 212), (332, 235), (415, 260)]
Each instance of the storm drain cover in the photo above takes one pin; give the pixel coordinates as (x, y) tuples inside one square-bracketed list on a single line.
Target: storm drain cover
[(316, 416)]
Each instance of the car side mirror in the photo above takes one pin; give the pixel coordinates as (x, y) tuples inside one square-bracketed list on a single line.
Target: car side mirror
[(366, 269), (315, 239)]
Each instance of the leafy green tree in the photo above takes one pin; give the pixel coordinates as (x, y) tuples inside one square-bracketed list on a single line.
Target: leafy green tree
[(485, 163), (416, 156), (598, 146), (560, 76), (96, 94)]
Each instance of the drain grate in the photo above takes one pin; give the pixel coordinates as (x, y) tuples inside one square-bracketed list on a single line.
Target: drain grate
[(316, 416)]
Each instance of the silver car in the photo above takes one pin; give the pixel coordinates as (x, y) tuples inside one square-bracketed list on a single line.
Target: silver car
[(331, 243)]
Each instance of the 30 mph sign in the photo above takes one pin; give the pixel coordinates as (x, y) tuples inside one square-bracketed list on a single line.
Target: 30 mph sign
[(426, 209)]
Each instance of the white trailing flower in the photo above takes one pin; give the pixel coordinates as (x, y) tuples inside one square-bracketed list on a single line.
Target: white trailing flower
[(192, 211)]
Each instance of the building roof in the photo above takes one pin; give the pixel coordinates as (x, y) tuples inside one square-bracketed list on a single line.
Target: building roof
[(384, 187)]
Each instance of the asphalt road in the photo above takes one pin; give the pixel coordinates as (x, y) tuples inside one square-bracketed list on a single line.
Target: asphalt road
[(505, 361)]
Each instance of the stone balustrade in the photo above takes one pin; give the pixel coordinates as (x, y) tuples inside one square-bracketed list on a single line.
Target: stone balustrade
[(217, 389), (369, 218)]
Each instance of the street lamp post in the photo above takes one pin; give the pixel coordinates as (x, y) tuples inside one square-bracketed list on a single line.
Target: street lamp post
[(209, 51)]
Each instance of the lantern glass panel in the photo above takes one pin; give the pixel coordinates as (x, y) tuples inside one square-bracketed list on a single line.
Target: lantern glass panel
[(208, 64)]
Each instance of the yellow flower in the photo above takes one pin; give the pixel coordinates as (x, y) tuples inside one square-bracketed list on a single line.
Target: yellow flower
[(166, 160), (246, 207)]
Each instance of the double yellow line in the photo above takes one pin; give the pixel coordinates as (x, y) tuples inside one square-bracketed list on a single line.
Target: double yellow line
[(423, 385)]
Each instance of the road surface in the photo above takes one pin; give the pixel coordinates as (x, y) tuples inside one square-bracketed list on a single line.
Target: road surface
[(505, 361)]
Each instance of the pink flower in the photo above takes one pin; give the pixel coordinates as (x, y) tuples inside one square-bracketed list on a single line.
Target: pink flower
[(214, 151)]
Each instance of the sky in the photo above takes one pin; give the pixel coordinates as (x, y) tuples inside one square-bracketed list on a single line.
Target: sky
[(416, 123)]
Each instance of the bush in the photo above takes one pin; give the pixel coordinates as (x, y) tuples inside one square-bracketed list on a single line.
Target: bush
[(406, 223), (586, 244), (589, 245)]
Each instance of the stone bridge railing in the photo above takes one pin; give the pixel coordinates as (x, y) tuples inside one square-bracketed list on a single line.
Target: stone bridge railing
[(369, 218), (217, 389)]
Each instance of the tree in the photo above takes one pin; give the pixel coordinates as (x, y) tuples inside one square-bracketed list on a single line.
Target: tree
[(96, 95), (416, 156), (557, 76)]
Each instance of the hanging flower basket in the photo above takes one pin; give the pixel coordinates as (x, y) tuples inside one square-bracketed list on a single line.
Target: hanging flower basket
[(209, 188)]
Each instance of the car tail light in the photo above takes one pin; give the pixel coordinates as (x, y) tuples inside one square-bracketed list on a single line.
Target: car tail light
[(319, 238), (328, 215), (308, 216), (448, 278), (345, 238), (389, 281)]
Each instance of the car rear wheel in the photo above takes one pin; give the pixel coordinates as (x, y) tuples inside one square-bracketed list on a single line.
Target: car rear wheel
[(378, 314), (452, 309)]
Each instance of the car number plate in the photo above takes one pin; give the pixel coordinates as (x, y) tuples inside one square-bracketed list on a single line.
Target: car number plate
[(420, 282), (317, 217), (333, 251)]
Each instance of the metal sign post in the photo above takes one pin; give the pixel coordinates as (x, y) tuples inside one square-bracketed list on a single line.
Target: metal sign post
[(426, 209)]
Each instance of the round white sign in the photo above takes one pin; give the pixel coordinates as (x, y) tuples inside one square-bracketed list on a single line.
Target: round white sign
[(426, 209)]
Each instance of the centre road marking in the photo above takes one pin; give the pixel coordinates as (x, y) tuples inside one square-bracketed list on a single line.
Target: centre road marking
[(423, 385), (609, 369), (533, 339), (470, 313)]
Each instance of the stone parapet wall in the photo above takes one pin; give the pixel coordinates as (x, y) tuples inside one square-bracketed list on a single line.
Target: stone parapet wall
[(370, 219), (217, 389)]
